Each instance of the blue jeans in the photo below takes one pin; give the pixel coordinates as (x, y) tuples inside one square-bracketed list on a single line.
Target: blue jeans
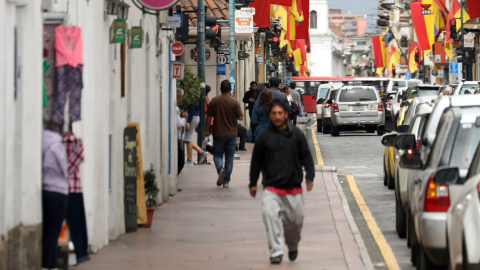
[(224, 145)]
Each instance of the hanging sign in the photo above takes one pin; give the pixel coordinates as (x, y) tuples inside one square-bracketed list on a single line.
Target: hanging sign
[(469, 40), (158, 4), (175, 21), (243, 23), (135, 37), (118, 31)]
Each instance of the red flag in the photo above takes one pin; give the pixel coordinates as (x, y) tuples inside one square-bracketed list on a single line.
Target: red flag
[(420, 26), (473, 8), (302, 28), (377, 51), (442, 6), (281, 2), (262, 13)]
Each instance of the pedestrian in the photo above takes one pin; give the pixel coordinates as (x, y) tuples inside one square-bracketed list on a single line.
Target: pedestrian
[(207, 102), (274, 83), (226, 111), (294, 110), (242, 134), (54, 195), (192, 123), (280, 152), (296, 97), (261, 112), (250, 97), (447, 91), (181, 121)]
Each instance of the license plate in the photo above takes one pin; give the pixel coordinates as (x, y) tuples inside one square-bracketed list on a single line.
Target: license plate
[(357, 108)]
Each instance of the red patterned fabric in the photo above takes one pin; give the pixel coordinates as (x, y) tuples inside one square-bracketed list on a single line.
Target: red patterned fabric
[(285, 191), (75, 157)]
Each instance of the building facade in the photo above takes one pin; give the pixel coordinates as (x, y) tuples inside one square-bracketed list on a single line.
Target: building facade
[(351, 24)]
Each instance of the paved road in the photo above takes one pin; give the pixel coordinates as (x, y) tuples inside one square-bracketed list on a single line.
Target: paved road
[(361, 154)]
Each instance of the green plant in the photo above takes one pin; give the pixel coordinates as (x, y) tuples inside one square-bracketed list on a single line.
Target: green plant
[(191, 87), (151, 189)]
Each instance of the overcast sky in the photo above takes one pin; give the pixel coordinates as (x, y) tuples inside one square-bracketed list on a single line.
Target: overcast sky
[(357, 7)]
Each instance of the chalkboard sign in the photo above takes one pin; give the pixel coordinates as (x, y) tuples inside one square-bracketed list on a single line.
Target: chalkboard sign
[(130, 174)]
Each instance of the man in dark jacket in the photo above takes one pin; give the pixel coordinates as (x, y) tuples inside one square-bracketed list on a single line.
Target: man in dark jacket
[(280, 152), (250, 97)]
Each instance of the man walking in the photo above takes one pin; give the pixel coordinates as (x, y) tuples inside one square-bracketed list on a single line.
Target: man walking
[(277, 94), (226, 111), (280, 152), (296, 97), (250, 97)]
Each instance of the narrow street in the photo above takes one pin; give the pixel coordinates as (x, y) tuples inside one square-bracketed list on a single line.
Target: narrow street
[(361, 155)]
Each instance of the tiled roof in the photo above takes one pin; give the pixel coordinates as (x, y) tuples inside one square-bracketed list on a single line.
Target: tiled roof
[(217, 8)]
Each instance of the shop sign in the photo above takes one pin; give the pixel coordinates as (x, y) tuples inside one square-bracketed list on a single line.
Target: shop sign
[(469, 40), (195, 54), (118, 31), (135, 39), (174, 21), (157, 4), (243, 23)]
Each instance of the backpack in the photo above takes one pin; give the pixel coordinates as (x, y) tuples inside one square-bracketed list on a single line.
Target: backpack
[(294, 109)]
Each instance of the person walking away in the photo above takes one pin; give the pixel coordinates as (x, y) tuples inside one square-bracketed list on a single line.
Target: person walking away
[(207, 102), (226, 111), (280, 152), (250, 97), (274, 83), (293, 107), (181, 121), (260, 116), (242, 134), (192, 123), (54, 195), (296, 97)]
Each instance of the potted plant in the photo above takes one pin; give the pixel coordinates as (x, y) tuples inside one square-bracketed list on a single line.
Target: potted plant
[(190, 84), (151, 191)]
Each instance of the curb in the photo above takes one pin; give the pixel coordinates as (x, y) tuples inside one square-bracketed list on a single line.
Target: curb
[(331, 169)]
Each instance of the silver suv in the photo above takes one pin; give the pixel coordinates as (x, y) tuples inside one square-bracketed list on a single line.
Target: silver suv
[(357, 107)]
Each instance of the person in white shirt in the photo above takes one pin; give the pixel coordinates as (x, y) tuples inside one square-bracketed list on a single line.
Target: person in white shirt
[(181, 121)]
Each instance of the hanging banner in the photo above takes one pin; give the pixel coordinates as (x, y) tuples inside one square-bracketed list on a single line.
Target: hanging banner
[(158, 4), (135, 37), (118, 31)]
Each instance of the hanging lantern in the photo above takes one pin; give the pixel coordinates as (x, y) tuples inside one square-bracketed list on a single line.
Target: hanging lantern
[(123, 11), (112, 6)]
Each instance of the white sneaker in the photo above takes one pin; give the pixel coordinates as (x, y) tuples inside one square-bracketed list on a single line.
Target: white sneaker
[(188, 162), (225, 185)]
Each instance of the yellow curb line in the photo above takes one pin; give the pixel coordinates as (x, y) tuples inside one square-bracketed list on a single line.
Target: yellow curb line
[(317, 148), (384, 247)]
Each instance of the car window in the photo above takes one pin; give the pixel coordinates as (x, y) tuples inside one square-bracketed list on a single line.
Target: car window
[(322, 92), (412, 83), (475, 165), (398, 84), (424, 91), (443, 130), (333, 95), (466, 142), (357, 95), (466, 87)]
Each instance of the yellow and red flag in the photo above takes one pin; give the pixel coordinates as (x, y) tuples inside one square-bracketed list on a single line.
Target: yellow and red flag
[(380, 52), (412, 65), (394, 57)]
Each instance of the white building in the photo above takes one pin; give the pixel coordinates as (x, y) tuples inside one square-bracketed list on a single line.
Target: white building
[(326, 56), (149, 99)]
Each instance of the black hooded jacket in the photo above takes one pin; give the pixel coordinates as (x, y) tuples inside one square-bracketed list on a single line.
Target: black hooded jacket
[(280, 156)]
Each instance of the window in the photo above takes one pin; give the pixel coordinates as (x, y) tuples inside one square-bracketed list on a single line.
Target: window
[(313, 19), (357, 95), (361, 43)]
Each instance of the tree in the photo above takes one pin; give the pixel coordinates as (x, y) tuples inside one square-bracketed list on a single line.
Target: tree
[(190, 84)]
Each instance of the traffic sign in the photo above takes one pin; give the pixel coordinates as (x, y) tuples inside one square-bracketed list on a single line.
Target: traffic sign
[(178, 69), (195, 54), (453, 68), (221, 69), (177, 48), (223, 59), (408, 75)]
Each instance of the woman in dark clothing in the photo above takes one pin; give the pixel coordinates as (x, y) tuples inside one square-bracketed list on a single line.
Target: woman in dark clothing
[(192, 123), (250, 97), (260, 112)]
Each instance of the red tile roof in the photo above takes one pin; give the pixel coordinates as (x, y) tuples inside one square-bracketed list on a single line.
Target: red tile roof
[(217, 8)]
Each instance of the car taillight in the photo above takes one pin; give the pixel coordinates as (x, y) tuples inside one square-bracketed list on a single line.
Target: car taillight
[(387, 104), (398, 98), (328, 105), (335, 108), (479, 190), (380, 107), (437, 197), (417, 144)]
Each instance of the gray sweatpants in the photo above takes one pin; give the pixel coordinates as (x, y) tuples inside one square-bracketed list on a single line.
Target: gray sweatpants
[(289, 208)]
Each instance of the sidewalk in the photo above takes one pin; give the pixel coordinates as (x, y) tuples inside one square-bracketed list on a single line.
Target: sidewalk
[(207, 227)]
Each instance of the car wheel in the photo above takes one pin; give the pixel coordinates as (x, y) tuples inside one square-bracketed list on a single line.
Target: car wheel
[(326, 128), (424, 262), (384, 174), (390, 180), (380, 133), (370, 130), (319, 125), (334, 131), (401, 219), (465, 263)]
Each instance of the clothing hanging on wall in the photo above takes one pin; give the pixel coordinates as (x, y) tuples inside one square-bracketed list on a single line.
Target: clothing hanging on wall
[(69, 76)]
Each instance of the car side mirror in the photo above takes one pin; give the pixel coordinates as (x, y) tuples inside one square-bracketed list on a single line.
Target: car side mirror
[(405, 142), (411, 161), (330, 101), (448, 175), (403, 128), (321, 101), (390, 126), (389, 139), (390, 97)]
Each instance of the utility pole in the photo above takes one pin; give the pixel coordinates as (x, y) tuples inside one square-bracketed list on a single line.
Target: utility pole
[(231, 24), (201, 69), (462, 36)]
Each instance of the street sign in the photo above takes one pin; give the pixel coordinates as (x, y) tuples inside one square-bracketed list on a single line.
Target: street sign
[(223, 59), (243, 23), (178, 69), (174, 21), (469, 40), (453, 68), (195, 54), (440, 73), (221, 69), (177, 48), (259, 59), (408, 75)]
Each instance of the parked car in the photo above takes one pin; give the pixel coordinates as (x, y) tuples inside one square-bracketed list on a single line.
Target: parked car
[(463, 217), (357, 107), (327, 110), (322, 97), (421, 108), (425, 225), (423, 90), (388, 101), (466, 85), (395, 84)]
